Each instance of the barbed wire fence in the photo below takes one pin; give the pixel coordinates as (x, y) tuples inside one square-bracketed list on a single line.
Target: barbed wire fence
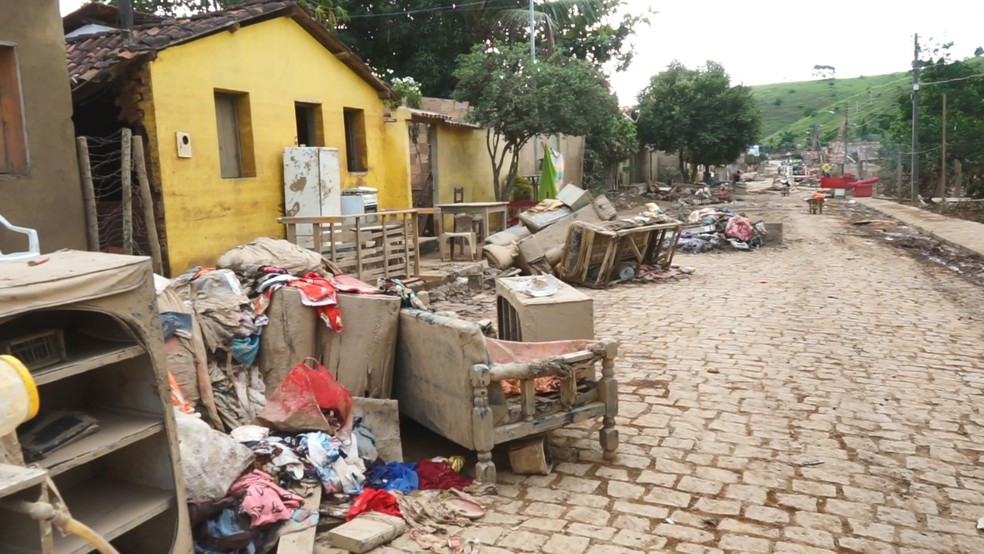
[(119, 206)]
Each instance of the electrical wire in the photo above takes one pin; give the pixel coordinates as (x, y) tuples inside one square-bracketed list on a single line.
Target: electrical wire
[(951, 80), (452, 7)]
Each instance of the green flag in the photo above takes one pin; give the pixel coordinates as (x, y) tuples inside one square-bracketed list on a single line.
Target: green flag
[(548, 175)]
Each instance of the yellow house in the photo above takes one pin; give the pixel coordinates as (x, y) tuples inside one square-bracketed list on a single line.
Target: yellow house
[(449, 153), (217, 97)]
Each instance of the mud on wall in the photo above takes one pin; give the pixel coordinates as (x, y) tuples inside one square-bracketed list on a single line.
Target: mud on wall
[(48, 196)]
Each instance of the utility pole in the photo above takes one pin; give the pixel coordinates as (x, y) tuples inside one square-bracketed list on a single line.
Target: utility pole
[(915, 118), (942, 188), (532, 34)]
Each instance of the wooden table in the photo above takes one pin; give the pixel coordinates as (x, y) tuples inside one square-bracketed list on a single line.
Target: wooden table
[(485, 209)]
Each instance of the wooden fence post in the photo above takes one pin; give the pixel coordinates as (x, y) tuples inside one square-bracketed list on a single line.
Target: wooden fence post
[(147, 202), (126, 165), (88, 195)]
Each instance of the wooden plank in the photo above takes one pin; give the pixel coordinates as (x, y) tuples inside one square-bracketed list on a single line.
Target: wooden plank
[(147, 204), (126, 164), (110, 508), (548, 422), (317, 235), (116, 430), (16, 478), (358, 246), (87, 356), (88, 195), (302, 542)]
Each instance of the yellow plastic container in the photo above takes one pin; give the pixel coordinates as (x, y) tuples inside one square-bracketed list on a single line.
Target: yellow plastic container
[(19, 400)]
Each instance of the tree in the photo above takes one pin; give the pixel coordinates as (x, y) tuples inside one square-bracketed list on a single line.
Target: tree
[(698, 114), (516, 98), (605, 148), (418, 37), (964, 114), (824, 71), (328, 12)]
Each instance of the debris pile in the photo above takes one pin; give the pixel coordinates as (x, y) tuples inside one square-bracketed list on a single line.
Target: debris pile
[(713, 228), (556, 237), (274, 445)]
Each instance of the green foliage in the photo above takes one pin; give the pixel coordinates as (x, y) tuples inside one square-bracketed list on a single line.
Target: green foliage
[(824, 71), (698, 114), (819, 98), (777, 102), (605, 148), (965, 113), (420, 38), (328, 12), (522, 190), (408, 90), (516, 98)]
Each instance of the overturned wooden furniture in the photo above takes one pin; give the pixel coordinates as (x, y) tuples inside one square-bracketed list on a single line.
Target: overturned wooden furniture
[(383, 244), (453, 380), (594, 253)]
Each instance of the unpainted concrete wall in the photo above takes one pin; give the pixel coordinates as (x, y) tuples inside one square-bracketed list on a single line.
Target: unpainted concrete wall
[(48, 197)]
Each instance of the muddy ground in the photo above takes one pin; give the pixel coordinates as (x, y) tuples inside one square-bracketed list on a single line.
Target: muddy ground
[(476, 302)]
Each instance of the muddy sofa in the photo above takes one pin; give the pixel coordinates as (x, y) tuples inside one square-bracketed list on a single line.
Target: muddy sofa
[(450, 379)]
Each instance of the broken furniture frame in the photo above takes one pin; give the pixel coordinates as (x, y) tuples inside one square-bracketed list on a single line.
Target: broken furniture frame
[(592, 253), (381, 244), (447, 381)]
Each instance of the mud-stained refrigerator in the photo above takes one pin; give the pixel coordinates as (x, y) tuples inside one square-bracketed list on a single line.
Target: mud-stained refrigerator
[(312, 185)]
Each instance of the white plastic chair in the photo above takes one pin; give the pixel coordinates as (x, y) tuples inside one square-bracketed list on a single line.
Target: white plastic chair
[(33, 245)]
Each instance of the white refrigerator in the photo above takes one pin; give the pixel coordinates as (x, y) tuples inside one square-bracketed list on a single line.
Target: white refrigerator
[(312, 185)]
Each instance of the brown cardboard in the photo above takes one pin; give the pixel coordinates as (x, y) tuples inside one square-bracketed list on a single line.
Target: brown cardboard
[(382, 417), (361, 355), (290, 337), (366, 532)]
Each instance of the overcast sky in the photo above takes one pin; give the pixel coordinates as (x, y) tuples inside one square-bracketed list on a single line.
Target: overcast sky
[(769, 41)]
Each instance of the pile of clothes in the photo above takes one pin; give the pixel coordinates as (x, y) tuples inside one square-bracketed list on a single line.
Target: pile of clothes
[(718, 227)]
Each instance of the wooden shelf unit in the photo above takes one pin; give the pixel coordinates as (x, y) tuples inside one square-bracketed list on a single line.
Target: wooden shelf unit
[(122, 480)]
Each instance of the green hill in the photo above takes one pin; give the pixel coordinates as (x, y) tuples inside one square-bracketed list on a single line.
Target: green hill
[(871, 104), (796, 107)]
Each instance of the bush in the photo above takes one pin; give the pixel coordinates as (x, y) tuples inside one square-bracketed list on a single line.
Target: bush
[(522, 190)]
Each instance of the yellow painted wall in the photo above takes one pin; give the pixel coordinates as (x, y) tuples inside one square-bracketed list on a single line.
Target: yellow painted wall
[(463, 161), (277, 63)]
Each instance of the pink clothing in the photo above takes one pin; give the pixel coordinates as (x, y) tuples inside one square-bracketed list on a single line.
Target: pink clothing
[(263, 500)]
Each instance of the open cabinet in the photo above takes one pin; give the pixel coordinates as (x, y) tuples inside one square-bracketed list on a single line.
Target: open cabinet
[(87, 326)]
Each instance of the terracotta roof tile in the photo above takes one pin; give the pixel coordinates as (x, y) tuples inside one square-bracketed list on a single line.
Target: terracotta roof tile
[(96, 58)]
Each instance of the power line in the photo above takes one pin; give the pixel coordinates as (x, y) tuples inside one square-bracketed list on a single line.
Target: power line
[(952, 80), (421, 10)]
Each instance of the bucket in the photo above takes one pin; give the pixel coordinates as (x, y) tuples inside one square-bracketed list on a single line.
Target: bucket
[(18, 394)]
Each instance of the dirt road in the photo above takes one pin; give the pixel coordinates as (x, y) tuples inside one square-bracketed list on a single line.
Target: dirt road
[(821, 396)]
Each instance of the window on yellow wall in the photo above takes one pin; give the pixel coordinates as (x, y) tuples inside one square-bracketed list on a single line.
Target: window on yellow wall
[(235, 127), (355, 140), (13, 135), (310, 125)]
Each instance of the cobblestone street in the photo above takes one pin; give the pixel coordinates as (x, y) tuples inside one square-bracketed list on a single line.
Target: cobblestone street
[(820, 396)]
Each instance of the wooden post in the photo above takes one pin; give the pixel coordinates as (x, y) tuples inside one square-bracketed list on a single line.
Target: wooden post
[(126, 164), (147, 202), (898, 174), (88, 195)]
